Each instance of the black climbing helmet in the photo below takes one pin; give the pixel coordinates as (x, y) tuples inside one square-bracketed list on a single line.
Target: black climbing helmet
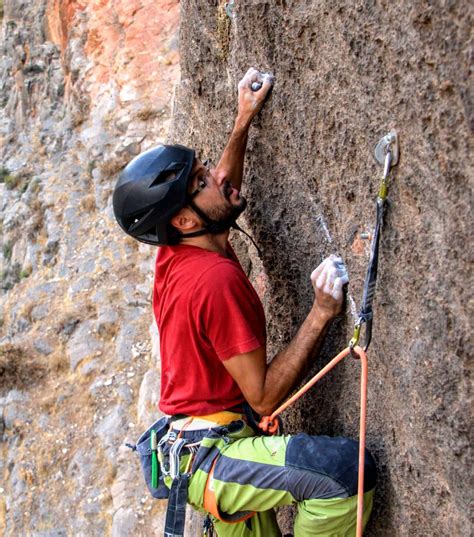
[(151, 190)]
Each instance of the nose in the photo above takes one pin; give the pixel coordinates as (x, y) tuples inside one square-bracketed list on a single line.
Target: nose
[(219, 176)]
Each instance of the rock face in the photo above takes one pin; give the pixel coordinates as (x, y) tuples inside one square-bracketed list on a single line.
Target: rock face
[(84, 86), (347, 73)]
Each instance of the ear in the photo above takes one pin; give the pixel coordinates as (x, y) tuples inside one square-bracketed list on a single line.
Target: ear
[(185, 220)]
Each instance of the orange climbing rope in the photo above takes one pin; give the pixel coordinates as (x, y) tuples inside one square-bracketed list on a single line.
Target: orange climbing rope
[(270, 423)]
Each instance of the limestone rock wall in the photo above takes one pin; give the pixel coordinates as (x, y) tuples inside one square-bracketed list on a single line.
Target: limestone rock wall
[(84, 87), (347, 73)]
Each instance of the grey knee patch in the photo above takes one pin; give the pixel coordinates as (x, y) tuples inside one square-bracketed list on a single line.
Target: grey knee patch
[(332, 463)]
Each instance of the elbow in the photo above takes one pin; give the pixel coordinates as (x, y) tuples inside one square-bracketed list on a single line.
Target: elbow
[(262, 407)]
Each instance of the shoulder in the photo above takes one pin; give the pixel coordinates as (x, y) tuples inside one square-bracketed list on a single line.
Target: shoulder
[(221, 274)]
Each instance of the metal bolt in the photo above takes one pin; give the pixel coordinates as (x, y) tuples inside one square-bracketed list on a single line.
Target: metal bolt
[(365, 235), (229, 9)]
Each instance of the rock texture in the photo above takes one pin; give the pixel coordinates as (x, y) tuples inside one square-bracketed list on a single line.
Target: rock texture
[(84, 86), (346, 73)]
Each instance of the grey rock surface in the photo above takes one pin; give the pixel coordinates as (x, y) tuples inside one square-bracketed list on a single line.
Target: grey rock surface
[(110, 429), (15, 410), (83, 344), (148, 398)]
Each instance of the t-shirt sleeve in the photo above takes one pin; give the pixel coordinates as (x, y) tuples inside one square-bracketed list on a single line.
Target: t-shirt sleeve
[(230, 313)]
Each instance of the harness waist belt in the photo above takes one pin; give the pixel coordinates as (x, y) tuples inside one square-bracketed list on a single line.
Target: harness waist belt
[(195, 423)]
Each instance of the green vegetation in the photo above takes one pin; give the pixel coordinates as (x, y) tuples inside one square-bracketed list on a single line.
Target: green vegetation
[(10, 276), (25, 273), (6, 177), (7, 249), (19, 180), (90, 167)]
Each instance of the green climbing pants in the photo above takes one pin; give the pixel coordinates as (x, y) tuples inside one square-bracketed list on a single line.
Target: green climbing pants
[(318, 474)]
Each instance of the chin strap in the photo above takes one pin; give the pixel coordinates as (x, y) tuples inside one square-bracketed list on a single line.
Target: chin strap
[(214, 227), (238, 228)]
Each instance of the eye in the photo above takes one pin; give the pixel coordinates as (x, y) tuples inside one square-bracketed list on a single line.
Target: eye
[(201, 183)]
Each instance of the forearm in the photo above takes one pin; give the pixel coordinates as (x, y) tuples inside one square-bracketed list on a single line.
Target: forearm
[(231, 163), (289, 366)]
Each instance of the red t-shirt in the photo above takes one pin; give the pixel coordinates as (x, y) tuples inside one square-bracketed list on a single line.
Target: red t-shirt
[(207, 311)]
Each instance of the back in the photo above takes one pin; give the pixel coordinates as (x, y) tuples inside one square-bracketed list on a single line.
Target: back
[(207, 311)]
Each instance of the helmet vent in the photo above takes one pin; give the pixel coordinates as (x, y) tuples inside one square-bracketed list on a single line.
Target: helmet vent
[(165, 176)]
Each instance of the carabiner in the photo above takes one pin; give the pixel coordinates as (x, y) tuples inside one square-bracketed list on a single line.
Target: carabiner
[(357, 332), (355, 338)]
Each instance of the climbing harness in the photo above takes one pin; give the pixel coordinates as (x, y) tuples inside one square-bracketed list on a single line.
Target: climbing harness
[(210, 502), (161, 448), (386, 153)]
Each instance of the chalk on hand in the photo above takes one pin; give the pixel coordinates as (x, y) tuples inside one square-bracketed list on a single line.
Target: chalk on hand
[(255, 86)]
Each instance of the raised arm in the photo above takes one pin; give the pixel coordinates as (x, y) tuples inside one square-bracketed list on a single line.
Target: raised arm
[(231, 163)]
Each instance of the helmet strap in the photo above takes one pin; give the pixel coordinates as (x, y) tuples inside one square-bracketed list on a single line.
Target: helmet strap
[(212, 226), (215, 227)]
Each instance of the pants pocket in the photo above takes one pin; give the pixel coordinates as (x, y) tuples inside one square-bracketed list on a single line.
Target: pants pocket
[(146, 455)]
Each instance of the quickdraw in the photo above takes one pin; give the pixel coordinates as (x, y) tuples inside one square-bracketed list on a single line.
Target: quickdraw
[(386, 153)]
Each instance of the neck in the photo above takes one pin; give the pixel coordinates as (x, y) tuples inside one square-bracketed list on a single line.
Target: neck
[(213, 243)]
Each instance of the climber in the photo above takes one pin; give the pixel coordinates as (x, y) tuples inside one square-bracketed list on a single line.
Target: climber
[(214, 371)]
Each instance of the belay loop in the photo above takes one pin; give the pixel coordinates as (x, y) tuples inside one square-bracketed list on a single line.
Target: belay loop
[(269, 425)]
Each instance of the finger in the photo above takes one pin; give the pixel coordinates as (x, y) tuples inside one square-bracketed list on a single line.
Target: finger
[(255, 75), (317, 271), (332, 274), (337, 291), (267, 82), (333, 285), (333, 270), (321, 281), (326, 277), (251, 71), (252, 75), (322, 265)]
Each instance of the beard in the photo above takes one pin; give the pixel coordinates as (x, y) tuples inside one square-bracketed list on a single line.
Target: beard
[(228, 213)]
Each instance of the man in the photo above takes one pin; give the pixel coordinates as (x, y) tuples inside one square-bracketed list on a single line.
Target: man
[(213, 351)]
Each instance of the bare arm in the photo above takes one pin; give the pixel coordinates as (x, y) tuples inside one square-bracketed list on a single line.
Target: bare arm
[(231, 163), (265, 385)]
